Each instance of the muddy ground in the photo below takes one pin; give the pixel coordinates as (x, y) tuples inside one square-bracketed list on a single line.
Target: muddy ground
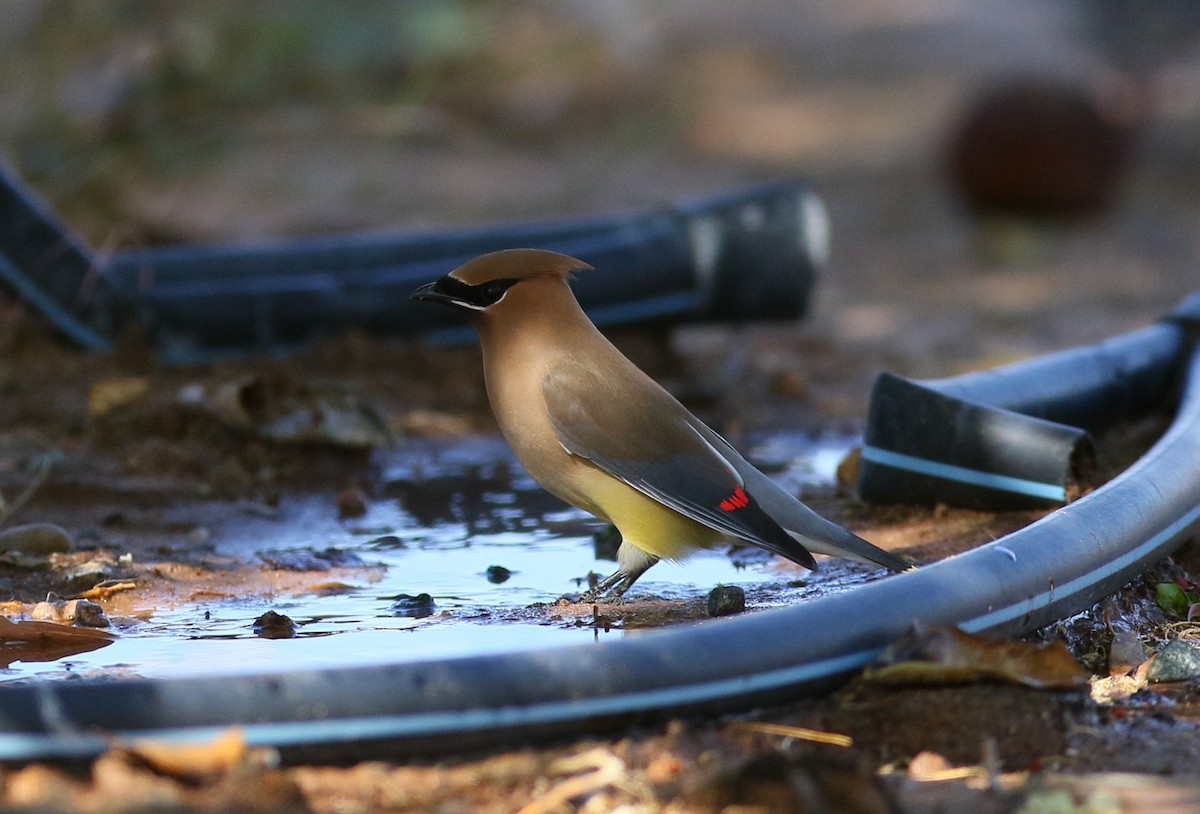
[(140, 129)]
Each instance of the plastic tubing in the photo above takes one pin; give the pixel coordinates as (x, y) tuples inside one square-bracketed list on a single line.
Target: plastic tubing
[(1049, 570), (742, 255), (1016, 436), (751, 254)]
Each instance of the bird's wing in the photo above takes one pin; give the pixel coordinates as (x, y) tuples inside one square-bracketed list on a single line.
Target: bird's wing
[(642, 436), (815, 532)]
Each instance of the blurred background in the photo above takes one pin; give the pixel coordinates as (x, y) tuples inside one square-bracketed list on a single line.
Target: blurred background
[(1003, 176)]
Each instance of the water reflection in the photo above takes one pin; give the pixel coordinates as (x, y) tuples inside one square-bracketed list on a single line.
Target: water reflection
[(461, 553)]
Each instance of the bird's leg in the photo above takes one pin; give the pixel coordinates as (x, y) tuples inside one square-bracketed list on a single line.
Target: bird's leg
[(633, 562), (605, 585)]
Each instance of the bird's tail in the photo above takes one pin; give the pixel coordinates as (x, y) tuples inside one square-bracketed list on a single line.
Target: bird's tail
[(838, 542)]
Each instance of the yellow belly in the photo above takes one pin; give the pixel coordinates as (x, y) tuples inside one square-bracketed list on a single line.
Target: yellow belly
[(642, 521)]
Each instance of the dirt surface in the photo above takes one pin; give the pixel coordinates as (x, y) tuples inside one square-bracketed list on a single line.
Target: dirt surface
[(144, 126)]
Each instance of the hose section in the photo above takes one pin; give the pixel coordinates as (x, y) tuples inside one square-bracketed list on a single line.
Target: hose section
[(751, 254), (1017, 436), (742, 255)]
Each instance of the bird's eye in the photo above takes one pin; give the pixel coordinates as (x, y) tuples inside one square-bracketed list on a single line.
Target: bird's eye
[(493, 291)]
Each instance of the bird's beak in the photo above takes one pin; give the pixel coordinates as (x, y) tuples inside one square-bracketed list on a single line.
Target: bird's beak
[(429, 293)]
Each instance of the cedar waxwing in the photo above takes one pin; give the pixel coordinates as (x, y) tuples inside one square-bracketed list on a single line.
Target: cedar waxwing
[(597, 432)]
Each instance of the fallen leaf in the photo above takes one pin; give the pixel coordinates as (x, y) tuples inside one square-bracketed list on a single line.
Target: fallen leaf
[(108, 394), (591, 771), (946, 655), (33, 641), (33, 631), (1173, 599), (193, 762), (1111, 689)]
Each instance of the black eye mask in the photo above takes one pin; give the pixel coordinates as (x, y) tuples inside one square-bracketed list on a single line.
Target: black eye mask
[(453, 291)]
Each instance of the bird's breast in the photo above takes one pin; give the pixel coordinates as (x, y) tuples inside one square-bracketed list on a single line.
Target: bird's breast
[(516, 397)]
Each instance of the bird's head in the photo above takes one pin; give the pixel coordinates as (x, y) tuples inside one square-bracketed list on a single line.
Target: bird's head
[(494, 282)]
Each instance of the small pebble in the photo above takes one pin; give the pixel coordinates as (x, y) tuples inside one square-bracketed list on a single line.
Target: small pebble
[(36, 538), (497, 574), (77, 611), (725, 600), (1125, 652), (352, 502), (416, 607), (1177, 660), (272, 625)]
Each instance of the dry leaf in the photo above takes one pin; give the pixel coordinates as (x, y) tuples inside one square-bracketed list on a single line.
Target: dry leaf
[(1110, 689), (31, 632), (108, 394), (193, 762), (946, 655), (591, 771), (31, 641)]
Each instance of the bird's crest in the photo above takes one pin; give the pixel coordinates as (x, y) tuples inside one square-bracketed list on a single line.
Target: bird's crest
[(518, 264)]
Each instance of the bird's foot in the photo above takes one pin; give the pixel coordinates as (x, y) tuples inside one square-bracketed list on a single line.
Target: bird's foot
[(611, 589)]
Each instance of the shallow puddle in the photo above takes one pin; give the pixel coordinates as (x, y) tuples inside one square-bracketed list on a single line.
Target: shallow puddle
[(458, 521)]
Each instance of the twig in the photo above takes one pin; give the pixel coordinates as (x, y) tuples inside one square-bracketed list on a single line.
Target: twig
[(608, 769), (797, 732), (103, 591)]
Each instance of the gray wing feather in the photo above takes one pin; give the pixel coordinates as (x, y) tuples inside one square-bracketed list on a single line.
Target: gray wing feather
[(815, 531), (645, 438)]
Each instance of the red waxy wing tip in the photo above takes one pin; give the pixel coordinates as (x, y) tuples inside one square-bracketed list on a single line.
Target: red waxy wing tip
[(738, 500)]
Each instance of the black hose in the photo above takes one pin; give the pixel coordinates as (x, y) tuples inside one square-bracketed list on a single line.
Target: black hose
[(45, 265), (1051, 569), (750, 254), (1016, 436)]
